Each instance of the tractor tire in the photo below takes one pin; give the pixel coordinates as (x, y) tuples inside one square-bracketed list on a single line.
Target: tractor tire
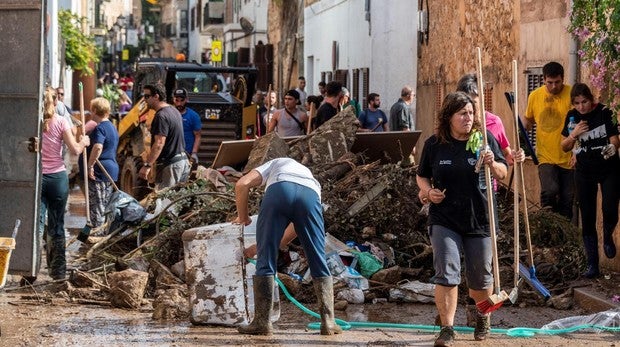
[(130, 182)]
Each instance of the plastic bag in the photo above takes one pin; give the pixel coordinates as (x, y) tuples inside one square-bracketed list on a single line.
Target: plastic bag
[(610, 318), (414, 291), (351, 295), (367, 263), (123, 208), (345, 273)]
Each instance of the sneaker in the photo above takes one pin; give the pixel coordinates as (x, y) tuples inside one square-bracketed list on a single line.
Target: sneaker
[(591, 272), (446, 337), (483, 326)]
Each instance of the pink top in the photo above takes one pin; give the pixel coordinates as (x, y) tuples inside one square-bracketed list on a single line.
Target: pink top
[(51, 145), (496, 127)]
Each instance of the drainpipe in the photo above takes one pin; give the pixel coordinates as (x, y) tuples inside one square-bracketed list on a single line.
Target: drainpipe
[(573, 58)]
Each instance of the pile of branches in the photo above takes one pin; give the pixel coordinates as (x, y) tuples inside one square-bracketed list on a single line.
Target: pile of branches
[(364, 202)]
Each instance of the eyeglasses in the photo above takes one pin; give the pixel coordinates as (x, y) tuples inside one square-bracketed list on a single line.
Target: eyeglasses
[(146, 96)]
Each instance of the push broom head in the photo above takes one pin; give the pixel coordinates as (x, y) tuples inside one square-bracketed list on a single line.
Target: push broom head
[(491, 304)]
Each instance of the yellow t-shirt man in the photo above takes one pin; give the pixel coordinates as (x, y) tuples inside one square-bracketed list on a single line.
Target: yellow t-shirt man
[(549, 112)]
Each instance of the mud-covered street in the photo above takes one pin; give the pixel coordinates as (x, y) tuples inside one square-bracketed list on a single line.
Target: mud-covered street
[(26, 323), (33, 317)]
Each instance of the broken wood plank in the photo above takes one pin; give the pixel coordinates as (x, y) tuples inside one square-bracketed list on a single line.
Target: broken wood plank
[(365, 199)]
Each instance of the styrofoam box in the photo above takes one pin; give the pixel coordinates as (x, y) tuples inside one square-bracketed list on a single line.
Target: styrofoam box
[(215, 268)]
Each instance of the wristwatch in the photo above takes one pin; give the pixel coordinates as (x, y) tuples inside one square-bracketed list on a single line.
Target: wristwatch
[(145, 164)]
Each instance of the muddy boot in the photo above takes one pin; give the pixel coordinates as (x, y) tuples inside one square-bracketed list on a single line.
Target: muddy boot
[(471, 313), (590, 243), (608, 244), (483, 325), (446, 337), (263, 301), (324, 290), (57, 258)]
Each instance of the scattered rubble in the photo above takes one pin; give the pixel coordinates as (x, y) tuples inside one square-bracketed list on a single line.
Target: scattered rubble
[(371, 207)]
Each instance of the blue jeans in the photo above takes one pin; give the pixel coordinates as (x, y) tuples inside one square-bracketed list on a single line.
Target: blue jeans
[(283, 203), (54, 195)]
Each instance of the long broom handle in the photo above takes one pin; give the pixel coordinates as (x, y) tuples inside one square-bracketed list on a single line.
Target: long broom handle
[(516, 178), (84, 154), (487, 178), (526, 219), (519, 167), (105, 172), (312, 113)]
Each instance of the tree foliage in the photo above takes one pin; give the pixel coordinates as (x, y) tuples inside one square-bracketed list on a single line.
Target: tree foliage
[(80, 49), (596, 23)]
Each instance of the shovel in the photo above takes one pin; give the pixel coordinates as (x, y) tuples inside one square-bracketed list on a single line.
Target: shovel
[(85, 232)]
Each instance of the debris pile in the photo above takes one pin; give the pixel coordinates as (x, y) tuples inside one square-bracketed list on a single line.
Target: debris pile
[(385, 253)]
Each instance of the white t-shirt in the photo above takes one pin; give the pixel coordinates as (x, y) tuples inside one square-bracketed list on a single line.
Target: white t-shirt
[(288, 170)]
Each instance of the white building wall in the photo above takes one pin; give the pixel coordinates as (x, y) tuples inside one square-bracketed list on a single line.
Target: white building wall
[(196, 41), (387, 45), (256, 12)]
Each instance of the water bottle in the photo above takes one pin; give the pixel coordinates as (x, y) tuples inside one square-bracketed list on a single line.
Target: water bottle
[(571, 124), (482, 181)]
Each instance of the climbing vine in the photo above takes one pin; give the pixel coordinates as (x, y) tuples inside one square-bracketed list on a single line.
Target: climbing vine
[(80, 49), (596, 23)]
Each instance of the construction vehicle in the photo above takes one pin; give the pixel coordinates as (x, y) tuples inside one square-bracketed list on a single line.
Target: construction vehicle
[(225, 114)]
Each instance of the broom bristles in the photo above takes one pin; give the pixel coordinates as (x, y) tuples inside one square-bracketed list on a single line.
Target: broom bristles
[(492, 303)]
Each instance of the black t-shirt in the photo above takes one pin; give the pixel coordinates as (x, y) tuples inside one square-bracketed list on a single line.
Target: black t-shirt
[(451, 167), (168, 122), (324, 113), (590, 144)]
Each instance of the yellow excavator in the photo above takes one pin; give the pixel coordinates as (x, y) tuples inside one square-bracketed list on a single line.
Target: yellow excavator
[(225, 114)]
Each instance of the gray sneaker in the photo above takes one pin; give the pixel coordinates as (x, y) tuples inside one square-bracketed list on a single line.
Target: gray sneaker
[(446, 337), (483, 326)]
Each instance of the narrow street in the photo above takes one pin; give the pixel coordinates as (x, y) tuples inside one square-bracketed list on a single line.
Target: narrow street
[(53, 320)]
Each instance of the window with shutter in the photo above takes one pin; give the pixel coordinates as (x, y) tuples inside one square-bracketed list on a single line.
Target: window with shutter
[(341, 76), (355, 92), (488, 97), (534, 78), (365, 87)]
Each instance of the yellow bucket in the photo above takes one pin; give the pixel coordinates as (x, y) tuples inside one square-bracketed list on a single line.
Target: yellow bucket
[(7, 245)]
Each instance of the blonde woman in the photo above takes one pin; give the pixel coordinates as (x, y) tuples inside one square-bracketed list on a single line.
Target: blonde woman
[(55, 183), (103, 148)]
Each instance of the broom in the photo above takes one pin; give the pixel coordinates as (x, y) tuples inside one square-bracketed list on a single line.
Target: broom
[(85, 232), (516, 184), (529, 275), (497, 299)]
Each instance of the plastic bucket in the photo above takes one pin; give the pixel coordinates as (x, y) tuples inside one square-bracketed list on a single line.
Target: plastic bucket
[(7, 245)]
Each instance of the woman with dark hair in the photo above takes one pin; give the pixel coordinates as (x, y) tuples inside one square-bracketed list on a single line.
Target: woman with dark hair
[(55, 182), (458, 217), (590, 133)]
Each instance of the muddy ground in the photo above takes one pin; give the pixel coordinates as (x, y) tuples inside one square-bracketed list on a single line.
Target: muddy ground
[(29, 317), (25, 323)]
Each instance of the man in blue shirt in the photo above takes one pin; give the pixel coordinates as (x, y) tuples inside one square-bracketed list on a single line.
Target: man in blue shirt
[(191, 124), (373, 119)]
